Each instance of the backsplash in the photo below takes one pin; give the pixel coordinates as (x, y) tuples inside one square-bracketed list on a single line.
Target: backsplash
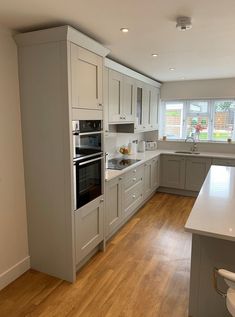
[(113, 141)]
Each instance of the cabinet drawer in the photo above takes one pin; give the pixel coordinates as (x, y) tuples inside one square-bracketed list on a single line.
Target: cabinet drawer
[(133, 177), (132, 194)]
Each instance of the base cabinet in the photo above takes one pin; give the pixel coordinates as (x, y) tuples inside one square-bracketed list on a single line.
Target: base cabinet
[(173, 171), (186, 173), (89, 228), (147, 179), (113, 205), (155, 170), (196, 172), (223, 162)]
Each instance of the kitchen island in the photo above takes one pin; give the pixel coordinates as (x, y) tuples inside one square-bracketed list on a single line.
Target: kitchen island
[(212, 223)]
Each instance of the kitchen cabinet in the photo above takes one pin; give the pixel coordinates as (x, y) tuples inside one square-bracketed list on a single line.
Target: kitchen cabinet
[(113, 204), (173, 171), (86, 78), (155, 168), (89, 228), (154, 104), (121, 97), (60, 71), (139, 107), (223, 162), (147, 179), (124, 195), (196, 171)]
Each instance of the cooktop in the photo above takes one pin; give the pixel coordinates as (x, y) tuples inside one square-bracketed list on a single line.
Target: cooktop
[(120, 163)]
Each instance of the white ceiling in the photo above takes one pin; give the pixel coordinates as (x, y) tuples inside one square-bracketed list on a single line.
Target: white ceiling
[(206, 51)]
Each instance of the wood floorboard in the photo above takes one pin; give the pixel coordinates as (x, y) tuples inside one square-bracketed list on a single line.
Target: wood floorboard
[(143, 273)]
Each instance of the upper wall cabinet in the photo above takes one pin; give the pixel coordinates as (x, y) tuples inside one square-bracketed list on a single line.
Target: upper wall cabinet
[(147, 102), (121, 93), (130, 97), (86, 79)]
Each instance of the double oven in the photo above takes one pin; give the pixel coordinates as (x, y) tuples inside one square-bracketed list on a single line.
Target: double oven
[(87, 161)]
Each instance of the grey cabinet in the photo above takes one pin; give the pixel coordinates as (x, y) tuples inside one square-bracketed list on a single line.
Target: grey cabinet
[(147, 179), (223, 162), (196, 172), (173, 171), (113, 204), (89, 225), (86, 78), (155, 168), (121, 97)]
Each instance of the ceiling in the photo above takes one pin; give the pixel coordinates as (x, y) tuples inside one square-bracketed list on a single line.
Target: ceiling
[(206, 51)]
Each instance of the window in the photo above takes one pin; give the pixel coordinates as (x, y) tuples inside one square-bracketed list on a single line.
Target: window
[(203, 119)]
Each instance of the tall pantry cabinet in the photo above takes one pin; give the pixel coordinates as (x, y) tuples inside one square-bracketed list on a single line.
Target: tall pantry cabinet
[(60, 73)]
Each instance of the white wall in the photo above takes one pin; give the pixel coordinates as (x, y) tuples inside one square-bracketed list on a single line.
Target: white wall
[(198, 89), (14, 259)]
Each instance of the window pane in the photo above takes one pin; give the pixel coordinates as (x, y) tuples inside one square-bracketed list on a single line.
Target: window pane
[(223, 120), (198, 107), (197, 126), (173, 120)]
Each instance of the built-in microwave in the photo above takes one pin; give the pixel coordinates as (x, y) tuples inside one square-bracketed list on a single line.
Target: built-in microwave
[(87, 161)]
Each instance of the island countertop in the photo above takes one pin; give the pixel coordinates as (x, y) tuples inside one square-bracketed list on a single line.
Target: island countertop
[(213, 213)]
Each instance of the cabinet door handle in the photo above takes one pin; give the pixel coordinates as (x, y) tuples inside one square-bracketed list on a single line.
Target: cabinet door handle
[(102, 200), (133, 196), (100, 104), (120, 178), (134, 179), (134, 171)]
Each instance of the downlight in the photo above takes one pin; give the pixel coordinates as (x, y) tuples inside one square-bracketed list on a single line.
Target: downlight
[(183, 23)]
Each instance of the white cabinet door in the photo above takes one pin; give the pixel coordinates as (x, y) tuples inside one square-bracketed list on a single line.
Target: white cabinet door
[(154, 103), (155, 173), (196, 172), (86, 78), (173, 171), (128, 98), (147, 179), (115, 96), (89, 231), (113, 204)]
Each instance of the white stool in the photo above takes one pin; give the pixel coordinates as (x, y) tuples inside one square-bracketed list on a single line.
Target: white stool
[(229, 278)]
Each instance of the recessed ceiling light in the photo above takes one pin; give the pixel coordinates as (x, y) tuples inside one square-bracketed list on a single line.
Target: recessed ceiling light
[(171, 68), (124, 30), (154, 55)]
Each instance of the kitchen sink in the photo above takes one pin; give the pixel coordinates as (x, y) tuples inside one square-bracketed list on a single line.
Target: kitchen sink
[(186, 152)]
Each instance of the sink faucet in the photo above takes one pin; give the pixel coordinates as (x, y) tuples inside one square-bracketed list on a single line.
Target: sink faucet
[(194, 147)]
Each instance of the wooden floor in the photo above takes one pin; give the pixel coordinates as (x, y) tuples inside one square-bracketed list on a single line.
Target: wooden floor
[(144, 272)]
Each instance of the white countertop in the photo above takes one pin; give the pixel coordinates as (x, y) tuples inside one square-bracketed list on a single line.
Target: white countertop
[(214, 211), (148, 155)]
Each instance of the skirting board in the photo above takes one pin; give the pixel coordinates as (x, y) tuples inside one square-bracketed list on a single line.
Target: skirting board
[(14, 272)]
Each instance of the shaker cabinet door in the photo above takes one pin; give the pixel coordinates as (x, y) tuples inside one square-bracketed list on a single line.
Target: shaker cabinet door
[(128, 98), (88, 228), (115, 96), (113, 205), (196, 172), (173, 171), (86, 79)]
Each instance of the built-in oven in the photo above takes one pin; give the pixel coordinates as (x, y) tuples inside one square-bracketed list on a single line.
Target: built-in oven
[(87, 161)]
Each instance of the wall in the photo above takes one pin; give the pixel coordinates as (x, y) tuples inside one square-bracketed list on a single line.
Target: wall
[(198, 89), (14, 258)]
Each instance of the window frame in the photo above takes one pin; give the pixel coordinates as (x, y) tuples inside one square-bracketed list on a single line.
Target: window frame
[(186, 113)]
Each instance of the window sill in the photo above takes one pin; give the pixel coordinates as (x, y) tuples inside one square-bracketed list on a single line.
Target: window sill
[(203, 142)]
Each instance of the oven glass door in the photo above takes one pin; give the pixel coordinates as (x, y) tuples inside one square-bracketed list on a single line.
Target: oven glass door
[(88, 180)]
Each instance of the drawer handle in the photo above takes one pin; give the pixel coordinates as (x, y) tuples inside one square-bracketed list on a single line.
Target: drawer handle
[(120, 178), (133, 196), (134, 179), (134, 171)]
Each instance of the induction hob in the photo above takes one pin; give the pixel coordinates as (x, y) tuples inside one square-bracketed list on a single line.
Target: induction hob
[(120, 163)]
